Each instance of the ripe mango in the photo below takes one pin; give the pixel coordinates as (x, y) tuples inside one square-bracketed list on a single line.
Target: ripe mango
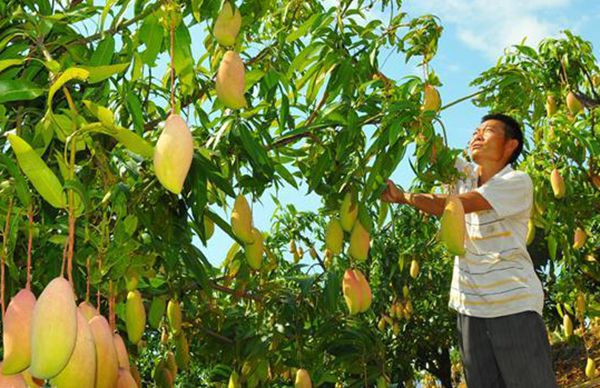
[(157, 310), (356, 290), (530, 232), (302, 379), (135, 316), (81, 368), (359, 242), (230, 81), (125, 379), (348, 212), (53, 329), (174, 316), (590, 368), (122, 355), (173, 154), (254, 252), (241, 220), (550, 105), (580, 304), (11, 381), (567, 325), (452, 229), (107, 366), (88, 310), (334, 236), (227, 26), (136, 375), (16, 333), (431, 99), (574, 104), (579, 238), (414, 269), (234, 380), (182, 352), (558, 184)]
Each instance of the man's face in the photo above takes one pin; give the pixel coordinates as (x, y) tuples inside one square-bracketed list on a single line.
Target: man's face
[(489, 143)]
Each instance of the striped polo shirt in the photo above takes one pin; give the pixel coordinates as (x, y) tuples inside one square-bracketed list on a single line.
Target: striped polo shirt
[(495, 276)]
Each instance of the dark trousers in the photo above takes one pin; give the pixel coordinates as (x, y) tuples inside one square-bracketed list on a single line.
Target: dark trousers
[(506, 352)]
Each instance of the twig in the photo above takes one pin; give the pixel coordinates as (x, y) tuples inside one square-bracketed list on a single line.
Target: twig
[(230, 291)]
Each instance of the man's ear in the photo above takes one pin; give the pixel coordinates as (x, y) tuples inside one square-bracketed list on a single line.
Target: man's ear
[(510, 146)]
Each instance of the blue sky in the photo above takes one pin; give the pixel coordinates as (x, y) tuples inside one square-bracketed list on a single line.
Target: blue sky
[(475, 34)]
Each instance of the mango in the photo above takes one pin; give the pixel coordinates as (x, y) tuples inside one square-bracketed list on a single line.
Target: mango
[(452, 229), (579, 238), (53, 329), (357, 292), (431, 99), (157, 310), (122, 355), (230, 81), (88, 310), (209, 227), (227, 26), (132, 279), (254, 252), (125, 379), (530, 232), (558, 184), (30, 381), (163, 377), (135, 316), (16, 333), (136, 375), (590, 368), (11, 381), (174, 316), (359, 242), (234, 380), (334, 236), (302, 379), (241, 220), (171, 363), (414, 269), (348, 212), (107, 366), (567, 325), (173, 154), (182, 352), (580, 304), (574, 104), (81, 368), (550, 105)]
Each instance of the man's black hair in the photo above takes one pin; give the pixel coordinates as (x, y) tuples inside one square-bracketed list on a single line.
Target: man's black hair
[(512, 130)]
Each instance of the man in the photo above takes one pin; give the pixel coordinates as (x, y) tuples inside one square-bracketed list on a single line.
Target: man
[(495, 291)]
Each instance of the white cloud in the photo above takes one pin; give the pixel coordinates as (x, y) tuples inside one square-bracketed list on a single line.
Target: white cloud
[(490, 26)]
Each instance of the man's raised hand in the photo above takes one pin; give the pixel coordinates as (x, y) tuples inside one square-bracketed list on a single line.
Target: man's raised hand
[(392, 193)]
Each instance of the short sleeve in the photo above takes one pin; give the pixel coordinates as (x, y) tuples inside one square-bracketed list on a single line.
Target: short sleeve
[(509, 194)]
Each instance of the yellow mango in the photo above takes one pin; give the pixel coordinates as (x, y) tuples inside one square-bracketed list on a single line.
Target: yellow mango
[(88, 310), (580, 304), (16, 333), (125, 379), (173, 154), (530, 232), (302, 379), (414, 269), (174, 316), (574, 104), (241, 220), (234, 380), (254, 252), (567, 325), (11, 381), (53, 329), (135, 316), (550, 105), (230, 81), (357, 292), (107, 366), (81, 368), (334, 236), (365, 291), (227, 26), (348, 212), (431, 99), (590, 368), (579, 238), (558, 184), (452, 229), (122, 355), (359, 242)]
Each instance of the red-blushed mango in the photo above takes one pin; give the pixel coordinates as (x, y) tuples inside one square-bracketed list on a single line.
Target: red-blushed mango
[(241, 220), (348, 212), (574, 104), (230, 81), (122, 355), (107, 366), (173, 154), (135, 316), (357, 292), (31, 381), (157, 311), (16, 333), (557, 183), (88, 310), (431, 99), (136, 375), (579, 238), (452, 229), (81, 369), (125, 379), (227, 26), (11, 381), (550, 105), (302, 379), (174, 316), (254, 252), (53, 329), (334, 236), (360, 242), (415, 268), (163, 378), (182, 352), (171, 363)]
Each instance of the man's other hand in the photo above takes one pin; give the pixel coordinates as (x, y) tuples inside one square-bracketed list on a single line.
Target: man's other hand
[(392, 193)]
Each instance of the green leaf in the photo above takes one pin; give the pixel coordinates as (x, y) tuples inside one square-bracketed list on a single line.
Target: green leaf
[(151, 34), (135, 109), (6, 63), (105, 115), (183, 59), (40, 175), (68, 75), (134, 142), (21, 185), (302, 30), (104, 52), (18, 90), (100, 73), (552, 245)]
